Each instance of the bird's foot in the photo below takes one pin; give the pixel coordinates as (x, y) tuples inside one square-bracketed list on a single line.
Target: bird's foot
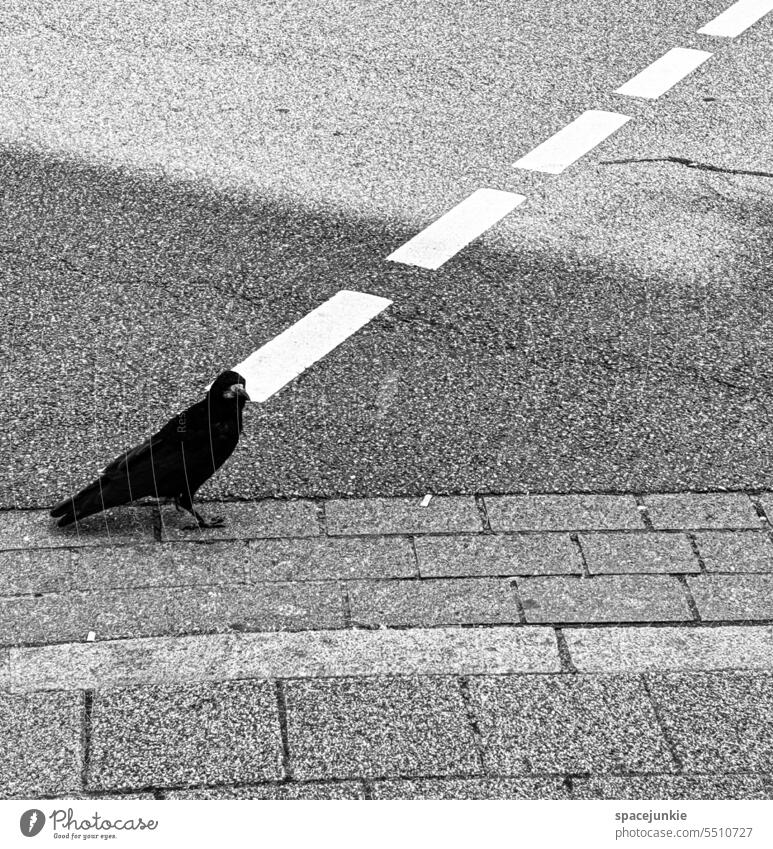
[(214, 522)]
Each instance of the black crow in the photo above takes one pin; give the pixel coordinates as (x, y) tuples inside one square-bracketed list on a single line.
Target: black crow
[(174, 462)]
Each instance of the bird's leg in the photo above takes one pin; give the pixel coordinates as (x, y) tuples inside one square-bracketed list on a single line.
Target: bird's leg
[(186, 502)]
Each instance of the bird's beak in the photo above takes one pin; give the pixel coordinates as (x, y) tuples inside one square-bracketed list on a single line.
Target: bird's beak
[(239, 390)]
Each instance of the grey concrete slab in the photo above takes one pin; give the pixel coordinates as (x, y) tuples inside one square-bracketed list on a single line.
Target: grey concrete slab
[(29, 529), (682, 511), (604, 598), (289, 790), (717, 721), (639, 553), (308, 560), (641, 649), (563, 512), (525, 554), (257, 607), (245, 520), (307, 654), (39, 571), (402, 516), (383, 727), (159, 565), (733, 597), (212, 733), (471, 788), (567, 723), (670, 787), (68, 617), (446, 601), (42, 751), (743, 551)]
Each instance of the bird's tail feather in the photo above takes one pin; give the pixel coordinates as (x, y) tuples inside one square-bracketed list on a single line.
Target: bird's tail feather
[(87, 502)]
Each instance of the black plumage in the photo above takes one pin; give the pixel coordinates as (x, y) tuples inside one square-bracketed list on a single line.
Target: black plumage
[(172, 463)]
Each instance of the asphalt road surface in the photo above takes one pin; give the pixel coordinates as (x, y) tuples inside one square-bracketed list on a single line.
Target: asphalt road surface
[(181, 181)]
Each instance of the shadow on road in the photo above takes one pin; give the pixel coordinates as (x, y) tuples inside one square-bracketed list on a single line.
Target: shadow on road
[(503, 371)]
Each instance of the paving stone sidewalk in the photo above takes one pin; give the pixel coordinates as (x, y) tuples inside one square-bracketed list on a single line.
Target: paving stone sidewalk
[(513, 646)]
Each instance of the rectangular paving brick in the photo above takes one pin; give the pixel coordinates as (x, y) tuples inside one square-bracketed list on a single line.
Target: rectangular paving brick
[(471, 788), (161, 564), (245, 520), (638, 553), (257, 607), (740, 551), (452, 601), (121, 567), (321, 790), (36, 529), (41, 751), (567, 723), (717, 721), (526, 554), (37, 571), (737, 597), (606, 598), (378, 727), (223, 733), (312, 559), (682, 511), (670, 787), (402, 516), (305, 654), (68, 617), (563, 512), (642, 649)]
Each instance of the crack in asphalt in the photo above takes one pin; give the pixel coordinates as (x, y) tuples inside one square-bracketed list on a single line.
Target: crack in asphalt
[(689, 163)]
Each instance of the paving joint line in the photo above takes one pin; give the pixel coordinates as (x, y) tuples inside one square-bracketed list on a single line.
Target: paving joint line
[(480, 503), (319, 507), (88, 707), (575, 538), (518, 603), (661, 724), (564, 655), (367, 789), (697, 554), (472, 719), (641, 506), (281, 704), (688, 596)]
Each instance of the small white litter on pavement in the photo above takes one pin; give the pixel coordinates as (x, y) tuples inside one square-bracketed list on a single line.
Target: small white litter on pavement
[(426, 500), (91, 637)]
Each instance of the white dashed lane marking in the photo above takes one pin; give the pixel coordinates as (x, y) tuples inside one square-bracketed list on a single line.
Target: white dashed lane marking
[(445, 237), (664, 73), (282, 359), (572, 142), (739, 17)]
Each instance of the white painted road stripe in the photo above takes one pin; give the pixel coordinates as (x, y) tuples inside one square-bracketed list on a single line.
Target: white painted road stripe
[(664, 73), (575, 140), (304, 654), (282, 359), (737, 18), (455, 230)]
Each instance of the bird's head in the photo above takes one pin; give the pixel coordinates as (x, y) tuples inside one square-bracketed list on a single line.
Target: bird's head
[(228, 386)]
